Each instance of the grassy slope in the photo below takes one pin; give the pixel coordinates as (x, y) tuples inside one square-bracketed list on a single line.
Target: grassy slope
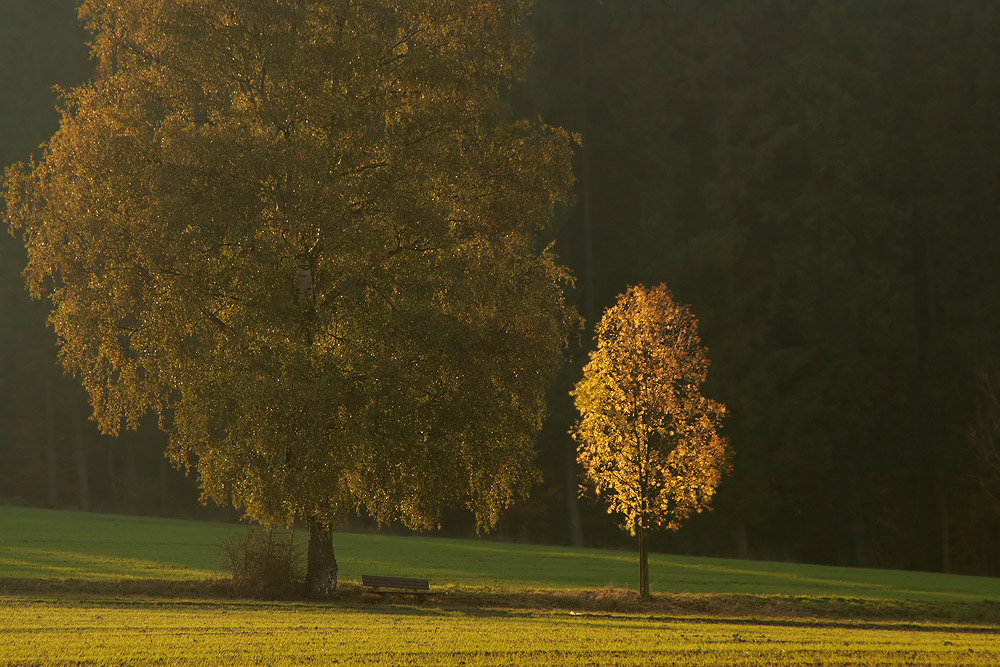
[(52, 544), (464, 626)]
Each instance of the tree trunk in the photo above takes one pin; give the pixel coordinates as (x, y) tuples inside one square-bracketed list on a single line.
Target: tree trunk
[(572, 502), (643, 563), (50, 448), (112, 478), (945, 534), (321, 564), (164, 486), (742, 543), (589, 279), (928, 484), (132, 492), (82, 485)]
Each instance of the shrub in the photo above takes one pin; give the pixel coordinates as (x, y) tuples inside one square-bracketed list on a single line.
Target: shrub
[(265, 563)]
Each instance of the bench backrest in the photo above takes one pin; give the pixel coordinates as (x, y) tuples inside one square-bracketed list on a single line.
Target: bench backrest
[(376, 581)]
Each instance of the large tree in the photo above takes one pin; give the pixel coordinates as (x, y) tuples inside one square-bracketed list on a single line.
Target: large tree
[(648, 438), (302, 232)]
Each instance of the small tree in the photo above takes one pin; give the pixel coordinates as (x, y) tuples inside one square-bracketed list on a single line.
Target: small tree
[(648, 440)]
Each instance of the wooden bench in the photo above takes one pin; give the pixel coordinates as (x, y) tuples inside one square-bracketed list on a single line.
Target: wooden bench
[(400, 585)]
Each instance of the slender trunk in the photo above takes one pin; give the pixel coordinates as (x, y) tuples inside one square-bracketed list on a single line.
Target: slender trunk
[(164, 486), (742, 546), (927, 487), (321, 564), (573, 504), (50, 447), (131, 474), (945, 534), (643, 563), (82, 485), (572, 482), (588, 229), (112, 479)]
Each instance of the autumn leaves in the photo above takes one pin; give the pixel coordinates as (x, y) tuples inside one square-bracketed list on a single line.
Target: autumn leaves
[(648, 440)]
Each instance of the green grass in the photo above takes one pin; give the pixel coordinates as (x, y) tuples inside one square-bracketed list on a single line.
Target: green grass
[(53, 544), (204, 633), (500, 604), (56, 544)]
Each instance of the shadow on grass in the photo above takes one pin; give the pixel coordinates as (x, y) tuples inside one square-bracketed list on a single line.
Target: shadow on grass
[(601, 603), (815, 623)]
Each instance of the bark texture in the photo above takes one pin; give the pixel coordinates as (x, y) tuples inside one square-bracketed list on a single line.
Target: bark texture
[(643, 564), (321, 564)]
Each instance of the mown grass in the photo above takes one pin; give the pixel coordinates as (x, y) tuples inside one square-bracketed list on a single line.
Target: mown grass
[(110, 590), (206, 633), (53, 544)]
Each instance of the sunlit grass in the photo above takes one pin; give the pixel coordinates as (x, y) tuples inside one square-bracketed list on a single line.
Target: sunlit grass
[(735, 624), (145, 632), (53, 544)]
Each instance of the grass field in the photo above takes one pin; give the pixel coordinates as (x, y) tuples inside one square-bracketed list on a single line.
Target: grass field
[(150, 632), (54, 544), (501, 604)]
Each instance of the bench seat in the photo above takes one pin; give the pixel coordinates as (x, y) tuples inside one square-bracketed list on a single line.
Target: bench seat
[(400, 585)]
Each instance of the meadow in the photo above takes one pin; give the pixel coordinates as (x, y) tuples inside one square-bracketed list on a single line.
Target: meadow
[(111, 590)]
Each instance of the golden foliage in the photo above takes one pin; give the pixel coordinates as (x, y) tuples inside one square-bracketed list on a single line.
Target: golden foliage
[(648, 440), (228, 154)]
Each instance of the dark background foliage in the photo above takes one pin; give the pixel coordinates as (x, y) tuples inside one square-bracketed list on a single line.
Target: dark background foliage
[(819, 180)]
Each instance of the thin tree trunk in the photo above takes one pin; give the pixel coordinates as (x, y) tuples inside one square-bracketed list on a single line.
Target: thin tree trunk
[(589, 310), (321, 564), (643, 563), (82, 485), (573, 504), (945, 534), (131, 474), (164, 486), (742, 546), (112, 478), (50, 447), (589, 279), (927, 487)]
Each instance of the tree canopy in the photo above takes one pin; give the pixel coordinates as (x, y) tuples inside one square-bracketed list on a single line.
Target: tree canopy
[(817, 179), (303, 233), (648, 439)]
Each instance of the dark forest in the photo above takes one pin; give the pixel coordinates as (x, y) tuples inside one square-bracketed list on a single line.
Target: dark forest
[(819, 180)]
